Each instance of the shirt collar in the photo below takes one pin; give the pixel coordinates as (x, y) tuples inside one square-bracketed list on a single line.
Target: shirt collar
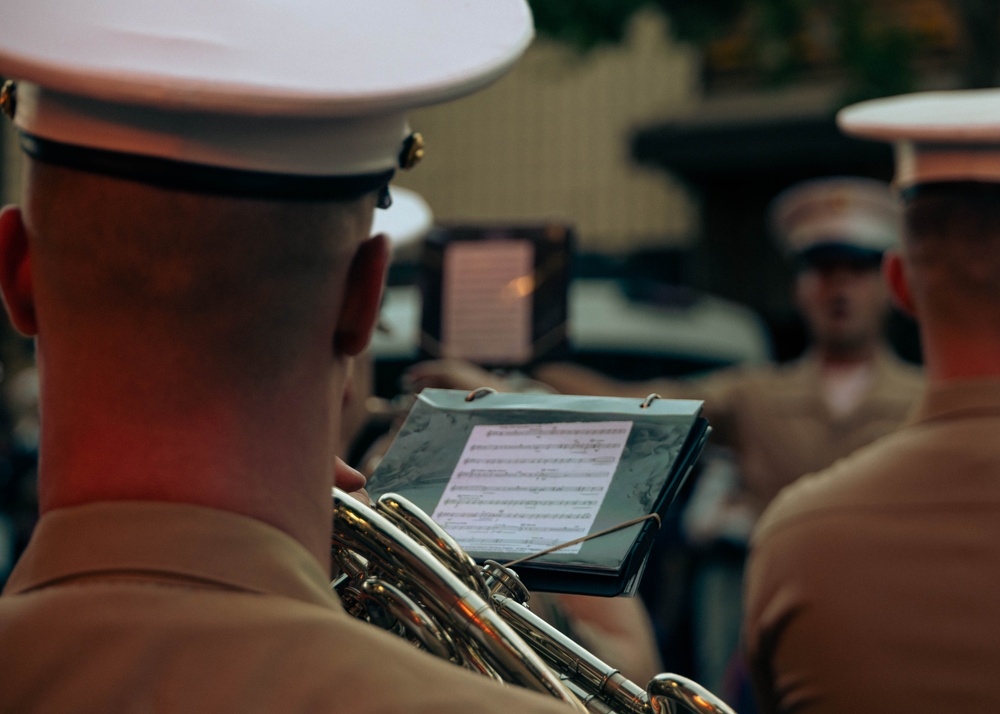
[(169, 540)]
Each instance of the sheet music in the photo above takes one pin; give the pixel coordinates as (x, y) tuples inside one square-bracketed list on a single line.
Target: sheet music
[(520, 488), (487, 302)]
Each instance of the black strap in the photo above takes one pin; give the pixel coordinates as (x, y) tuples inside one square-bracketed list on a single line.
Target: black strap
[(985, 189), (198, 178)]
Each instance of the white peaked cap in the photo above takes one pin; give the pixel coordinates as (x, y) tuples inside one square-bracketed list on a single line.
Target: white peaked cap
[(939, 136), (405, 222), (303, 88), (847, 212)]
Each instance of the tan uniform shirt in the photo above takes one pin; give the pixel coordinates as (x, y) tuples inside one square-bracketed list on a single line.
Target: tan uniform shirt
[(777, 422), (873, 586), (154, 607)]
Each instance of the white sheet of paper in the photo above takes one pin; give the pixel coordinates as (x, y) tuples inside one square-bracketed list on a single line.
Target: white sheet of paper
[(487, 300), (521, 488)]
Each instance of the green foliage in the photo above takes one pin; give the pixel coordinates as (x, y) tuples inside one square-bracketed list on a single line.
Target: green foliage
[(875, 58), (700, 21), (586, 24)]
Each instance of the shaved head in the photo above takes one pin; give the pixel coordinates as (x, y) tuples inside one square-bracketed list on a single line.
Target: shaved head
[(953, 251), (225, 278)]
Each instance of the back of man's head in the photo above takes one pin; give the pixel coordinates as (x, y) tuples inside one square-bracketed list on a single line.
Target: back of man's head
[(202, 174), (194, 252), (953, 246), (948, 176), (222, 281)]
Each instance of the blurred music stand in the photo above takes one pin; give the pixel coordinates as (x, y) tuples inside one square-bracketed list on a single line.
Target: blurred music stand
[(495, 295)]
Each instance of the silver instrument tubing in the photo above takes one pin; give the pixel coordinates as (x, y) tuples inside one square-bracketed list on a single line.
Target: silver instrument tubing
[(401, 571)]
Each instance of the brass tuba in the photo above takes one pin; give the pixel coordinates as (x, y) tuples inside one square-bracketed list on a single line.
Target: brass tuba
[(401, 571)]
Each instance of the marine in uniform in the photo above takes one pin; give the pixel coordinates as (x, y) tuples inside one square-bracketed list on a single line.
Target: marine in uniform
[(194, 259), (775, 422), (783, 421), (869, 585)]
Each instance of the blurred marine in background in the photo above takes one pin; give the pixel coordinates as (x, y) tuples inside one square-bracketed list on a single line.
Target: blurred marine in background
[(871, 586), (775, 423)]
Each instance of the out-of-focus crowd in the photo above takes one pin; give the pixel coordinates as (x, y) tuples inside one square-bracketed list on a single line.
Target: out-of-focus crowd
[(18, 449)]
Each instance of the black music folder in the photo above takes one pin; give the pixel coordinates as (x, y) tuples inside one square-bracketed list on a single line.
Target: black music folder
[(509, 475), (495, 295)]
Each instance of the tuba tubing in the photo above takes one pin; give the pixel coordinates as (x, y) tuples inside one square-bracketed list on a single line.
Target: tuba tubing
[(362, 529), (489, 627), (569, 659)]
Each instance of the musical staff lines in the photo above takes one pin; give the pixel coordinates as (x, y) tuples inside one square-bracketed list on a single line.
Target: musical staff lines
[(530, 485)]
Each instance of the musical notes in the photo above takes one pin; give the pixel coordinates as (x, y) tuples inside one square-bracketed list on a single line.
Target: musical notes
[(530, 485), (486, 311)]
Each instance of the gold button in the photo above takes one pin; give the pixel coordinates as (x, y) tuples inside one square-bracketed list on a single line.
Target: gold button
[(413, 151), (8, 98)]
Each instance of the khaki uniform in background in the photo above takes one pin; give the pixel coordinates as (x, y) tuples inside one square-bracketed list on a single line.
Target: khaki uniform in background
[(778, 426), (216, 612), (873, 586), (777, 423)]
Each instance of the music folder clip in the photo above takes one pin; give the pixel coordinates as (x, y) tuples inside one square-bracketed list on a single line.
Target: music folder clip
[(511, 475)]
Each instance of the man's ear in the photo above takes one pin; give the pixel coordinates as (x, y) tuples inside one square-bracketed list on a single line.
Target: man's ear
[(15, 272), (894, 273), (362, 296)]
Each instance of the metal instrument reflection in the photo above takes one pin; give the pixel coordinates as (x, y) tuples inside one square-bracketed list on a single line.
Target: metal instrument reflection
[(401, 571)]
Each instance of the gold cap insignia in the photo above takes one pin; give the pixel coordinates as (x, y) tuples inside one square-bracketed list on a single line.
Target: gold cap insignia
[(8, 98), (413, 151)]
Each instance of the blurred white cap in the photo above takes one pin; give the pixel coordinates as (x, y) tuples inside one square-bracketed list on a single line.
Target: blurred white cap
[(406, 222), (286, 97), (838, 216), (939, 136)]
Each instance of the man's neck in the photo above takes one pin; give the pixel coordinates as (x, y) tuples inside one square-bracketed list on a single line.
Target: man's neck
[(838, 357), (954, 354), (268, 456)]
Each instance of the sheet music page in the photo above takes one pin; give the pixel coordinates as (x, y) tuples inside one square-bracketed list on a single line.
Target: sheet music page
[(520, 488), (486, 312)]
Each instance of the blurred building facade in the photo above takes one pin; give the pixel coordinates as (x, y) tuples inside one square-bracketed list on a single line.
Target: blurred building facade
[(551, 141)]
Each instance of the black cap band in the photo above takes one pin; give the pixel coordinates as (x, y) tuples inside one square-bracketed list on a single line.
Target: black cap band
[(966, 189), (832, 252), (199, 178)]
